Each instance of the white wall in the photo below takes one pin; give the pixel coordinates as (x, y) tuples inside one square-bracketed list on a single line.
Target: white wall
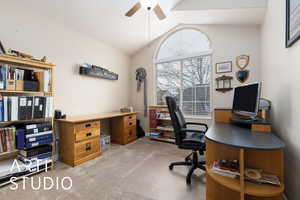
[(281, 84), (227, 42), (74, 94)]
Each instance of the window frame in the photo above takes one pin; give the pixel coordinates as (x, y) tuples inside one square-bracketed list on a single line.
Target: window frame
[(180, 59)]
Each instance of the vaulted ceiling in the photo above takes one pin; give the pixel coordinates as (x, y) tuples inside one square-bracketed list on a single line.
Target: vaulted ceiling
[(105, 20)]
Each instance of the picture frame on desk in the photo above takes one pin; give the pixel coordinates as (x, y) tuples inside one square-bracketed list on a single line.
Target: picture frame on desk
[(292, 22)]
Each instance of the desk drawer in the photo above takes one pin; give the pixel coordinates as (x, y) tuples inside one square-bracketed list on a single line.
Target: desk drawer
[(87, 134), (86, 148), (130, 121), (130, 134), (87, 125)]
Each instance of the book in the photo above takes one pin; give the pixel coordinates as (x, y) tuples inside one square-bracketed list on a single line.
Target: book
[(39, 138), (46, 81), (1, 146), (13, 108), (38, 143), (37, 157), (40, 127), (3, 138), (38, 134), (5, 98), (2, 77), (40, 77), (29, 107), (1, 109), (20, 139), (219, 168), (22, 108), (154, 134), (7, 139), (36, 150)]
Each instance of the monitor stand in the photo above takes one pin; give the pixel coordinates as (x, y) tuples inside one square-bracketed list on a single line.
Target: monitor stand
[(246, 120)]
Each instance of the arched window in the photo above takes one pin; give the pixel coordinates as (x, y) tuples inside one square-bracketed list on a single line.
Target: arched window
[(183, 70)]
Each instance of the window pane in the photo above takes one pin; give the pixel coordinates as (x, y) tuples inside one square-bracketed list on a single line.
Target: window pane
[(168, 81), (184, 42), (196, 86)]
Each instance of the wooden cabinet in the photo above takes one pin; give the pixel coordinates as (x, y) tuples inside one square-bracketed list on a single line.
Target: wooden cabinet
[(79, 142), (80, 136), (124, 129)]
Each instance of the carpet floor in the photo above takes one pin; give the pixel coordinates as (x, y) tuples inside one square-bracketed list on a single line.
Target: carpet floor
[(137, 171)]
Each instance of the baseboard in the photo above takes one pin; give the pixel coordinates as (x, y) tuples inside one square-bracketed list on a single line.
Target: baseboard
[(284, 197)]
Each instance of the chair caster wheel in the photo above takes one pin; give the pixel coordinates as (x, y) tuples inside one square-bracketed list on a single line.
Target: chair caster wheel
[(171, 167), (188, 181)]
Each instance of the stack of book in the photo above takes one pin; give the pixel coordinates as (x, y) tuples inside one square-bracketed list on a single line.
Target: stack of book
[(7, 139), (166, 128), (41, 154), (10, 76), (157, 135), (13, 108), (226, 168), (34, 135)]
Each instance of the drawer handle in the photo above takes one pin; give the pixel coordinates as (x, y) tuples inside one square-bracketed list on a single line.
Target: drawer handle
[(130, 133), (88, 125), (130, 117), (130, 123), (88, 134), (88, 147)]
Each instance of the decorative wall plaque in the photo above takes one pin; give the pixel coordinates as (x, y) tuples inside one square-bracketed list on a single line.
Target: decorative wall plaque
[(242, 62)]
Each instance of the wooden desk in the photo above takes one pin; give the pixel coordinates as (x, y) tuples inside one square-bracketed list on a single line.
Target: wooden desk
[(223, 115), (259, 150), (80, 136)]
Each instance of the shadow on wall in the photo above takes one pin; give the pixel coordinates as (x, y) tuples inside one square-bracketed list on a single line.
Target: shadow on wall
[(282, 118)]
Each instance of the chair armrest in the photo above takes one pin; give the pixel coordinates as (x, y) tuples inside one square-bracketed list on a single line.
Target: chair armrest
[(192, 130), (198, 124)]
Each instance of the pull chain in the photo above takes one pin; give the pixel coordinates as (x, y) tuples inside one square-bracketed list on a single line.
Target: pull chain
[(149, 27)]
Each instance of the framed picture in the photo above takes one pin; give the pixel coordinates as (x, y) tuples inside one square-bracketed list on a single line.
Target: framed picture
[(2, 50), (224, 67), (292, 22)]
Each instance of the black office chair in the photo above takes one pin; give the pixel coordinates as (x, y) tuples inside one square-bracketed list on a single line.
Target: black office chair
[(187, 139)]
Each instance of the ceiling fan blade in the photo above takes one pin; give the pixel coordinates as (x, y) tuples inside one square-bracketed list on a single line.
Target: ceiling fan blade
[(134, 9), (159, 12)]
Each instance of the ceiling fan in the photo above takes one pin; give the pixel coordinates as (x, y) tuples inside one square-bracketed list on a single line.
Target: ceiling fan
[(149, 5)]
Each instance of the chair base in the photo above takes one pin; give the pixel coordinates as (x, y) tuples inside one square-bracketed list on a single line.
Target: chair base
[(190, 160)]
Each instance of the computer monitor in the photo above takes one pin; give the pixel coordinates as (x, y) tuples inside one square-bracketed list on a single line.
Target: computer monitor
[(246, 100)]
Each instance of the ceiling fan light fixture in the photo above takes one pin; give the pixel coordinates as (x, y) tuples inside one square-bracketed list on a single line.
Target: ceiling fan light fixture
[(148, 3)]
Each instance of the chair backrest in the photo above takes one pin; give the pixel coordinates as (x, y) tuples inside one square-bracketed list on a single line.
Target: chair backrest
[(177, 119)]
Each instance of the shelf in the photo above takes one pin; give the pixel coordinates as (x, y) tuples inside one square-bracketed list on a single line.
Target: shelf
[(263, 190), (4, 58), (223, 89), (231, 183), (163, 139), (26, 121), (158, 107), (8, 153), (164, 119), (26, 92), (157, 130), (27, 175), (258, 190)]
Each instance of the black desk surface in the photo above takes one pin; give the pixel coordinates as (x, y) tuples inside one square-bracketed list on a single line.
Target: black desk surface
[(244, 138)]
